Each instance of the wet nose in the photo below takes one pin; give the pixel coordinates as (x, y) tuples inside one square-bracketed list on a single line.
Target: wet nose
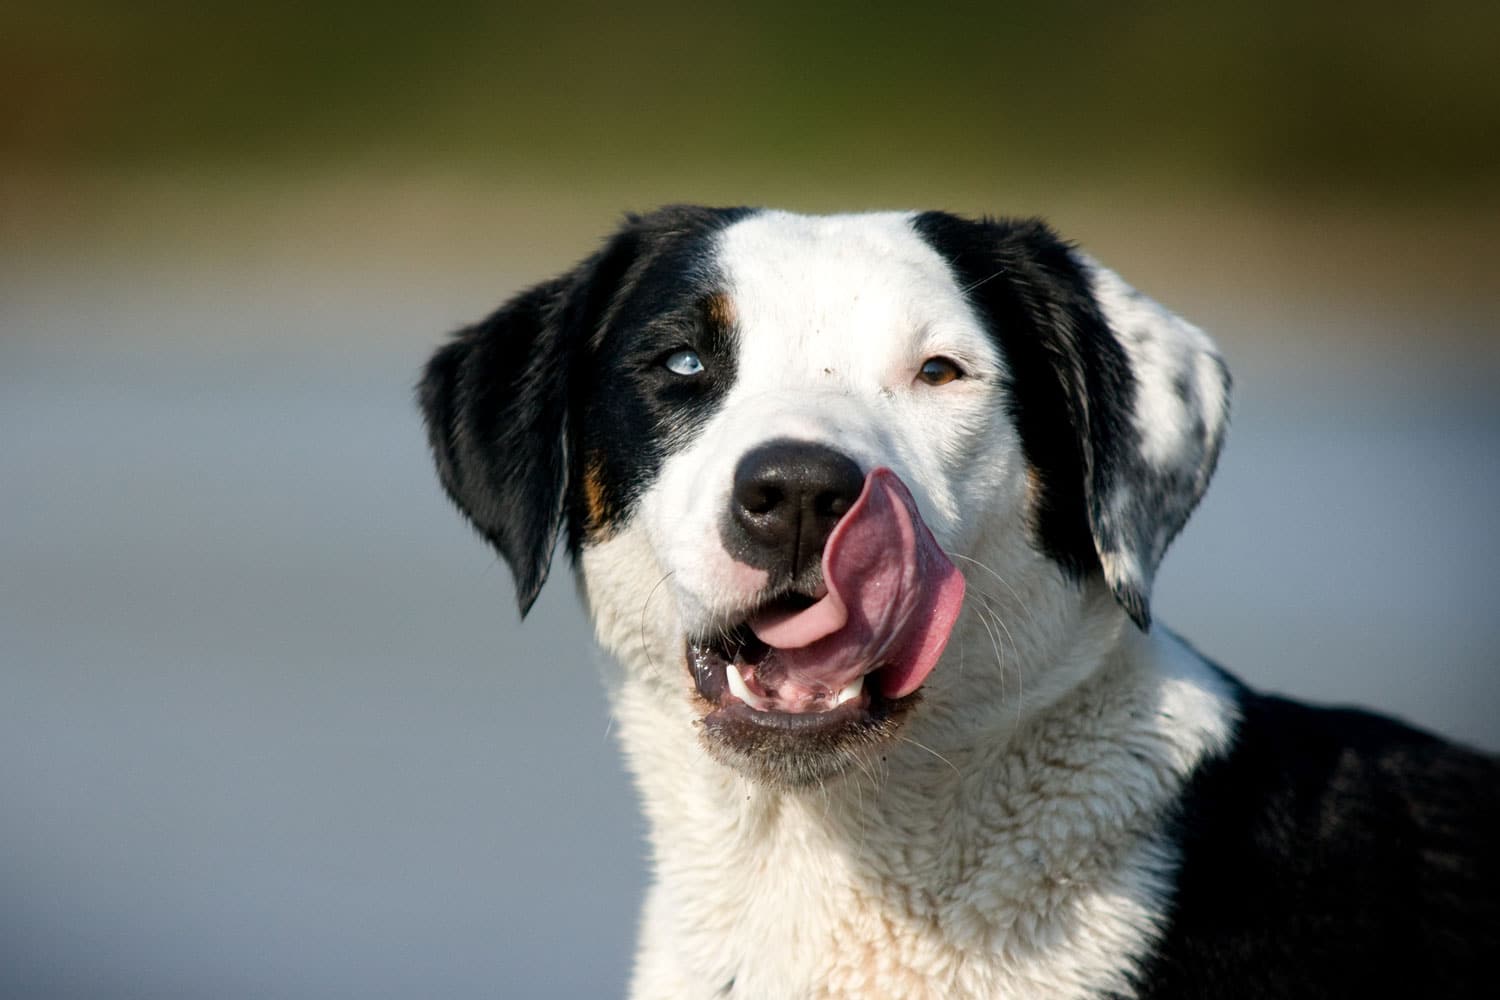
[(787, 496)]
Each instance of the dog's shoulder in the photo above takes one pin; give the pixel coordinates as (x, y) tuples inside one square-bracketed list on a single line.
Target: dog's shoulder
[(1333, 852)]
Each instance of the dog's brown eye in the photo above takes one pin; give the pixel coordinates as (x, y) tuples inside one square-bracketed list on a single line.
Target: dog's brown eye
[(939, 371)]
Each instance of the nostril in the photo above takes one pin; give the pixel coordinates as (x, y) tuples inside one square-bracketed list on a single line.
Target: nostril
[(761, 498), (831, 504)]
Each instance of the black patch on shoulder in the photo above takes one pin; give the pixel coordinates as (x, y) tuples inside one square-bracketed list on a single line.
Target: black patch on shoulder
[(1070, 389), (1334, 853), (557, 407)]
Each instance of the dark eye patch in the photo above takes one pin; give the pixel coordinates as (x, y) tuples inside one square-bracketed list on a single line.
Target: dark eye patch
[(680, 356), (640, 396)]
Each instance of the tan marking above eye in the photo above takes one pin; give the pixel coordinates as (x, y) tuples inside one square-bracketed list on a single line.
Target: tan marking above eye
[(939, 371), (719, 309)]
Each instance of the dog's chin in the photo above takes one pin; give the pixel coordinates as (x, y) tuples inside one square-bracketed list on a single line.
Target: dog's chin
[(778, 737)]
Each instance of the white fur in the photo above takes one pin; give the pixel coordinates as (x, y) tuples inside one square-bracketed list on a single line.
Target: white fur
[(1008, 843), (1161, 346)]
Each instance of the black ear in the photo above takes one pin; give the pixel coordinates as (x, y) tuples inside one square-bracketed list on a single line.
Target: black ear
[(1121, 406), (496, 400)]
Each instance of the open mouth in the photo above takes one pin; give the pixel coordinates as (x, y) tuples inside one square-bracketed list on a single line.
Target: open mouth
[(755, 707), (738, 668), (812, 668)]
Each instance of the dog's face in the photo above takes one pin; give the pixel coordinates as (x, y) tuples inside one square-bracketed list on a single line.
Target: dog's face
[(796, 456)]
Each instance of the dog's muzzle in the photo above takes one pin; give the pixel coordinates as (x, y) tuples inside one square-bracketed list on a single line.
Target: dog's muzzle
[(878, 596)]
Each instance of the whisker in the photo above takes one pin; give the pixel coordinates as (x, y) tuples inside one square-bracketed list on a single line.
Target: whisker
[(984, 620), (923, 746), (1020, 676), (859, 794), (984, 613), (645, 607), (1003, 582), (982, 281), (999, 620)]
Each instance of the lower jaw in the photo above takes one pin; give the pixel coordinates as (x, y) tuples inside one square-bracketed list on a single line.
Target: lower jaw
[(802, 750), (790, 748), (858, 712)]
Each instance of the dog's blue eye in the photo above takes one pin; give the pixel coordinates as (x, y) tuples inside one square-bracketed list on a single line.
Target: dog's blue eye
[(684, 363)]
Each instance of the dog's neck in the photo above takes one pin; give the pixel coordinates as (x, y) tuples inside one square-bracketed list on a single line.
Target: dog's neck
[(1011, 844)]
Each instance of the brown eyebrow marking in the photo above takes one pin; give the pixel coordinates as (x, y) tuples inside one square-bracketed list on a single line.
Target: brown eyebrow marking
[(718, 308)]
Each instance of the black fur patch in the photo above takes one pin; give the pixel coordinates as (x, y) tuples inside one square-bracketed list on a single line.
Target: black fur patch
[(558, 406), (1334, 853), (1070, 389), (631, 410)]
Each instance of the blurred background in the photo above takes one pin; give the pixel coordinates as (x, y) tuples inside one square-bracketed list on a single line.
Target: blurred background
[(269, 725)]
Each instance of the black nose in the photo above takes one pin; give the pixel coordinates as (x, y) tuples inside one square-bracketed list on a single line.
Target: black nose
[(787, 497)]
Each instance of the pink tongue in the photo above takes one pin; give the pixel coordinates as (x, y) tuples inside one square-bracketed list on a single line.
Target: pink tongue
[(893, 597)]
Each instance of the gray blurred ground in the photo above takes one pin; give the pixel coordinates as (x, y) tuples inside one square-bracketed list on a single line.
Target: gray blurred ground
[(269, 726)]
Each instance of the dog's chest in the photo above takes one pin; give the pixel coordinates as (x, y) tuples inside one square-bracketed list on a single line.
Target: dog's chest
[(1045, 880), (826, 910), (1037, 868)]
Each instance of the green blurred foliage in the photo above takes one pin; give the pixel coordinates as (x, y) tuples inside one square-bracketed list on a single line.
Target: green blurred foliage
[(1279, 97)]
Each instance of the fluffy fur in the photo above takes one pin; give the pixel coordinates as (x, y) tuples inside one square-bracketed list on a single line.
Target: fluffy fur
[(1075, 804)]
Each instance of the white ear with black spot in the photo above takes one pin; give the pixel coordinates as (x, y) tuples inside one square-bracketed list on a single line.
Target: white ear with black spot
[(1178, 411)]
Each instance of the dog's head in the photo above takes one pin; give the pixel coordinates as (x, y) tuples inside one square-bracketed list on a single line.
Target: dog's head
[(795, 455)]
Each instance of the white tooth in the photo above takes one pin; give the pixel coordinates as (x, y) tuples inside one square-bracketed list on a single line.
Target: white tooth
[(851, 690), (738, 687)]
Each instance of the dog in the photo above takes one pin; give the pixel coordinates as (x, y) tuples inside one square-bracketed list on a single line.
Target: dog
[(868, 507)]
